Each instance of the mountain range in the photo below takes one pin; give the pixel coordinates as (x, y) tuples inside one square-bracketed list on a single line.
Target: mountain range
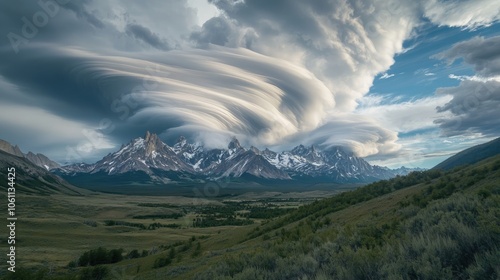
[(149, 159)]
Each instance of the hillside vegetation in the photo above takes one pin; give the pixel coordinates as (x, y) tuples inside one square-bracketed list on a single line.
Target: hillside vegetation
[(443, 226)]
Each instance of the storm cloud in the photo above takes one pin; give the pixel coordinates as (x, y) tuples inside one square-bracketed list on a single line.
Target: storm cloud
[(475, 102), (143, 33), (473, 108), (482, 53)]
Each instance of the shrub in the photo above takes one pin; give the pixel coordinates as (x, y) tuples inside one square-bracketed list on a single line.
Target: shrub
[(161, 262), (94, 273), (100, 256), (134, 254)]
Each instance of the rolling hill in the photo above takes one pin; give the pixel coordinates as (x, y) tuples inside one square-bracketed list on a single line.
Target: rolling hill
[(427, 225), (471, 155)]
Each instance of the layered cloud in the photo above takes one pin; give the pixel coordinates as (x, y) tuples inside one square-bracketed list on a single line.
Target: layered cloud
[(231, 91), (366, 136)]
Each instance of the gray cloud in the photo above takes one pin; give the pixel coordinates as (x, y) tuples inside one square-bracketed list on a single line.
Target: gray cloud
[(473, 109), (482, 53), (475, 102), (142, 33), (98, 25), (80, 9), (215, 31)]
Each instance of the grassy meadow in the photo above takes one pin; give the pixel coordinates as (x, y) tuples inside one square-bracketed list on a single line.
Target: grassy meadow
[(54, 230)]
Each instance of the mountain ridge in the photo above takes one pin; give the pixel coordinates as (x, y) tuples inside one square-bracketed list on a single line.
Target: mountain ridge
[(37, 159), (33, 179), (150, 155), (471, 155)]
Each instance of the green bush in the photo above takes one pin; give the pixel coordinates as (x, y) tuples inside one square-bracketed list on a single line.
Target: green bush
[(161, 262), (100, 256), (94, 273), (134, 254)]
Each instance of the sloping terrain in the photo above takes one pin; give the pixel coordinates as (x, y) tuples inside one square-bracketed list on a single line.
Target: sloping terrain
[(37, 159), (32, 179), (471, 155), (427, 225)]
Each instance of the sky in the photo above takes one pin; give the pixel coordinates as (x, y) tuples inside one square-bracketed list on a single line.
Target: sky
[(397, 82)]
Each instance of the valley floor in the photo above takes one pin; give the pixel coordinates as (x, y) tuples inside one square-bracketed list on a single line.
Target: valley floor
[(54, 230)]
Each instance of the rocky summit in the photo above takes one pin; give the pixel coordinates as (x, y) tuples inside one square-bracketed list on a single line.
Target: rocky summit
[(37, 159)]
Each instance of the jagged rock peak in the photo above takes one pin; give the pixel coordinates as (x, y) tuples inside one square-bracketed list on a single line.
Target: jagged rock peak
[(234, 144), (8, 148), (300, 149), (41, 160), (255, 150), (152, 142), (151, 137)]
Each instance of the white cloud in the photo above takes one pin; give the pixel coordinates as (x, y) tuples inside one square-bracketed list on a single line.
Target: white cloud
[(406, 116), (204, 10), (386, 76), (221, 91), (361, 135), (428, 149), (344, 43), (469, 14)]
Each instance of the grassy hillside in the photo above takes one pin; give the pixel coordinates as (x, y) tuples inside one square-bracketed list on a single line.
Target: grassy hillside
[(471, 155), (427, 225)]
